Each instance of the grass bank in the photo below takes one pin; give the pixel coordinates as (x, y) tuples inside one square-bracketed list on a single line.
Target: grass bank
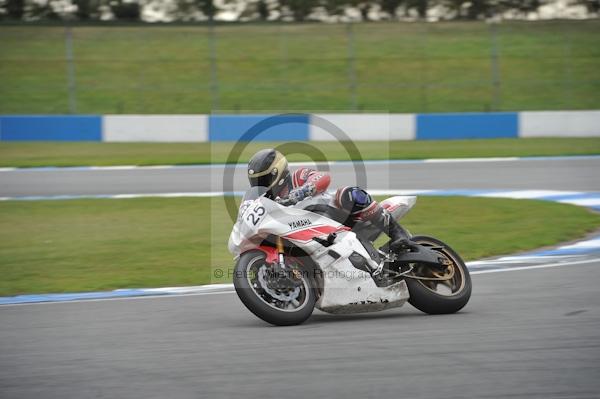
[(89, 245), (26, 154)]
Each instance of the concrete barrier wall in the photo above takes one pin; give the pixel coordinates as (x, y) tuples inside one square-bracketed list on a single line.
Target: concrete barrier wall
[(559, 124), (165, 128), (361, 127), (299, 127)]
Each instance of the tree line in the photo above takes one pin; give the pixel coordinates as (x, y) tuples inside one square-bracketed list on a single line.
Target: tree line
[(273, 10)]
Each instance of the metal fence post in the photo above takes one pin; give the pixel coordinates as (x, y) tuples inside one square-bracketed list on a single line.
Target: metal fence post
[(567, 70), (351, 67), (71, 83), (424, 70), (283, 52), (494, 54), (214, 78)]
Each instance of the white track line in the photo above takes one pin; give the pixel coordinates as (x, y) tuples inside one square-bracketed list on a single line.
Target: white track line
[(594, 243), (319, 163), (582, 202), (530, 194), (518, 259), (231, 291), (123, 298), (548, 265), (459, 160)]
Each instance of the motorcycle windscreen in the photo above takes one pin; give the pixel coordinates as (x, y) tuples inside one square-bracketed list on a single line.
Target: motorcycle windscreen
[(254, 192), (250, 195)]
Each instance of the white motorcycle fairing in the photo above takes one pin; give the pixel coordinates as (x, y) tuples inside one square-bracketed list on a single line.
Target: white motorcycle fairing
[(345, 289)]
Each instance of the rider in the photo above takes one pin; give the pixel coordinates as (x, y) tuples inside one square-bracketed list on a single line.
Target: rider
[(269, 168)]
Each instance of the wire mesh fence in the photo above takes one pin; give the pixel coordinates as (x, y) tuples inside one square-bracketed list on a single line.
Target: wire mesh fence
[(395, 67)]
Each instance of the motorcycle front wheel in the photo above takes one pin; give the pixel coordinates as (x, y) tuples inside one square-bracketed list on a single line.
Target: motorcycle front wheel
[(280, 306), (436, 291)]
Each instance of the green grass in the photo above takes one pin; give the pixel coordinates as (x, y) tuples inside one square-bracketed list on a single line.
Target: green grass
[(26, 154), (399, 67), (87, 245)]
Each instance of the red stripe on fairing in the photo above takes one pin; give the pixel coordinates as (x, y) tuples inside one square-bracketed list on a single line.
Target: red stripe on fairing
[(316, 231), (390, 207), (271, 255)]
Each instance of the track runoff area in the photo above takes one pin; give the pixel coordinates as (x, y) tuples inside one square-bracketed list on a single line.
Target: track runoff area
[(530, 330), (71, 183)]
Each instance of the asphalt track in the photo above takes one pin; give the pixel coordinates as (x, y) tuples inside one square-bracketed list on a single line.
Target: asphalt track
[(526, 333), (579, 174)]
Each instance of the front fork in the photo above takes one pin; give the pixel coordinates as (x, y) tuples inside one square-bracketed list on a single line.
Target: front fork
[(280, 251), (289, 271)]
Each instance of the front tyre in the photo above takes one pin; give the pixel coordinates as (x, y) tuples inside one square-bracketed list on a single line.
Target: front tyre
[(435, 291), (281, 306)]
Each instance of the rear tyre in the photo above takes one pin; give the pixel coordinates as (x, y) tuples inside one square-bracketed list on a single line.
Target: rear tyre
[(280, 307), (433, 296)]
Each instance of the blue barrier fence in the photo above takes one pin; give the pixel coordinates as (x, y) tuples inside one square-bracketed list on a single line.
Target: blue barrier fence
[(258, 127), (50, 128), (467, 126), (298, 127)]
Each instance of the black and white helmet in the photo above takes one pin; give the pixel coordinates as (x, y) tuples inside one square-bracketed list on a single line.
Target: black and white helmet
[(268, 168)]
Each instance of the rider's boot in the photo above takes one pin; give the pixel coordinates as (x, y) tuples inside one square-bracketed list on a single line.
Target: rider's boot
[(399, 237)]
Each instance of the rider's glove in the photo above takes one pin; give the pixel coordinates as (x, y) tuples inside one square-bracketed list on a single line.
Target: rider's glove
[(298, 194)]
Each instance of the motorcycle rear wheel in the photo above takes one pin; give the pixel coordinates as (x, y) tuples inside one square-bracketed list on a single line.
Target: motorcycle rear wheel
[(266, 302), (439, 297)]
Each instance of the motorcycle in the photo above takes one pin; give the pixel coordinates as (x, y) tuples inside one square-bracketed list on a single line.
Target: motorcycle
[(291, 259)]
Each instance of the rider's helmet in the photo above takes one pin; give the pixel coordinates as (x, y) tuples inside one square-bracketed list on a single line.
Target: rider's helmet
[(268, 168)]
